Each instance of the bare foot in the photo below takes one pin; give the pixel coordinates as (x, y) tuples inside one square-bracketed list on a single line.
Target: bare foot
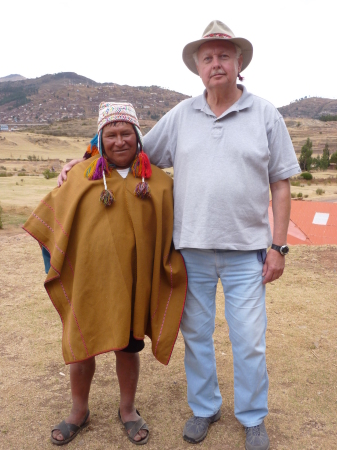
[(132, 417), (76, 418)]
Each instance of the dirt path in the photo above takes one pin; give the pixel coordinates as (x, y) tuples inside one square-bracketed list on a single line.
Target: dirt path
[(302, 365)]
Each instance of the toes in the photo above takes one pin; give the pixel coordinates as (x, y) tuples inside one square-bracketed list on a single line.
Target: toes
[(58, 435), (137, 438), (140, 435)]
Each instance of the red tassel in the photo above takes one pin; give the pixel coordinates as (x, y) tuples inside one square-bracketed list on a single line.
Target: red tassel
[(241, 78), (141, 167)]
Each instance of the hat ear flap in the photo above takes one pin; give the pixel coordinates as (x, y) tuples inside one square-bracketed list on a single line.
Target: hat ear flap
[(100, 143)]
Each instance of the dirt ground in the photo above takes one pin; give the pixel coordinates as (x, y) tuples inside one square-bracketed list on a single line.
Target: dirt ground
[(301, 356)]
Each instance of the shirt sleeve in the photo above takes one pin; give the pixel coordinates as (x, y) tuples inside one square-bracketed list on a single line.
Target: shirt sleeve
[(283, 161), (160, 142)]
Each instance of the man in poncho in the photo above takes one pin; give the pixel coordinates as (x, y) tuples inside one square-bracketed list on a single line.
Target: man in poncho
[(113, 274)]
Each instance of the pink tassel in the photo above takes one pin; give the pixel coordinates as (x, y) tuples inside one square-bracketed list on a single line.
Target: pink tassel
[(241, 78), (100, 166)]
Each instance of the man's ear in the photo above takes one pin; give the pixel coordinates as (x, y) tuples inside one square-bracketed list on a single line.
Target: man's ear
[(196, 65), (240, 60)]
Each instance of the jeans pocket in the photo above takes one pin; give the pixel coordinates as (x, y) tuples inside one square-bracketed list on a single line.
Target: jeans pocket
[(261, 255)]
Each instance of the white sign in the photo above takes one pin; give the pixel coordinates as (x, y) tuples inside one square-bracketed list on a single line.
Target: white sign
[(321, 219)]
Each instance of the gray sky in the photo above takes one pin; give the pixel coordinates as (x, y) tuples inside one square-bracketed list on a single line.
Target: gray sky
[(139, 43)]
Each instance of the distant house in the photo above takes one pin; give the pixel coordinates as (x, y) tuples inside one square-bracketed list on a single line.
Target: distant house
[(4, 128), (311, 223)]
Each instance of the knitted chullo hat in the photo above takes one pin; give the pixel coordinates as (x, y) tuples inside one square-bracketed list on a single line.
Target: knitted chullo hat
[(141, 168), (118, 112)]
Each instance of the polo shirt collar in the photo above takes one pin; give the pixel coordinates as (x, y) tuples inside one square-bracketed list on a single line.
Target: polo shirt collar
[(245, 101)]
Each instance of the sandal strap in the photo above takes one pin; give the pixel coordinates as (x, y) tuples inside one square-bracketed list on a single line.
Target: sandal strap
[(65, 429), (135, 426)]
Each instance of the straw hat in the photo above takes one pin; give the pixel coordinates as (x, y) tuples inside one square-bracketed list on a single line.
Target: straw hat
[(217, 31)]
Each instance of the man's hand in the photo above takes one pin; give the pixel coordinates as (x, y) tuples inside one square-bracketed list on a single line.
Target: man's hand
[(273, 266), (63, 175)]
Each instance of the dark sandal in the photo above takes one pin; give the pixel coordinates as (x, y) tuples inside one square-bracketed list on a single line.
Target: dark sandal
[(134, 427), (66, 428)]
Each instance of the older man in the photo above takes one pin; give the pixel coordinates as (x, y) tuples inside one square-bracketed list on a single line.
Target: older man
[(227, 147)]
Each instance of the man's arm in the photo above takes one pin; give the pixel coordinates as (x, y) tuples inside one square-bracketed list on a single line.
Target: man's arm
[(275, 262), (63, 175)]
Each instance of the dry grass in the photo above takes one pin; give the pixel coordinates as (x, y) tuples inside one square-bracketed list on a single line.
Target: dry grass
[(319, 132), (301, 356), (17, 145), (326, 180)]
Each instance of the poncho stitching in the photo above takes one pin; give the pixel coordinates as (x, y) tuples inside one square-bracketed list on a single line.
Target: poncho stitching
[(72, 309), (64, 232)]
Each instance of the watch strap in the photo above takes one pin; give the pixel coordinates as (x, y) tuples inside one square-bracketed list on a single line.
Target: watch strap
[(276, 247)]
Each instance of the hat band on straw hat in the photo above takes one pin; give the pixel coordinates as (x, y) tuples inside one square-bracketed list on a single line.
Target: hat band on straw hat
[(220, 35)]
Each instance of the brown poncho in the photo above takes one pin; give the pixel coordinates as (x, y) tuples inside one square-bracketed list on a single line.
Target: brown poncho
[(113, 269)]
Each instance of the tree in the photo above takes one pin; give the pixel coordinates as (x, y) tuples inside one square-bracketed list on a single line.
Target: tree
[(316, 163), (325, 160), (333, 158), (305, 159)]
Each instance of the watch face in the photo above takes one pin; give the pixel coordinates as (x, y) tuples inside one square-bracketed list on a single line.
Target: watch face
[(284, 250)]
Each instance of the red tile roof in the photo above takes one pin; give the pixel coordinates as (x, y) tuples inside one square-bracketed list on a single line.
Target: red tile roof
[(302, 230)]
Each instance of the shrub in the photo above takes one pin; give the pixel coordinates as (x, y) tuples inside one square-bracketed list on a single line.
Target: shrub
[(23, 174), (306, 196), (1, 224), (33, 158), (295, 183), (3, 168), (320, 191), (48, 174), (306, 175), (299, 195), (5, 174), (328, 118), (293, 194)]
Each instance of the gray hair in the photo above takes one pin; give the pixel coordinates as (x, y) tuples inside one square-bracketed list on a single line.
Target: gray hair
[(237, 48)]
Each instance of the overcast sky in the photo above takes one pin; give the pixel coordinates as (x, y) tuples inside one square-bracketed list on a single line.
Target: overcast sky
[(139, 43)]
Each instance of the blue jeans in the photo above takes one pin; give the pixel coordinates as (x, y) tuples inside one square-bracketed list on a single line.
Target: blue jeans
[(245, 312)]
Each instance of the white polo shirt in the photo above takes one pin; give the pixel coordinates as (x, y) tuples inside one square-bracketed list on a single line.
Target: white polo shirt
[(222, 170)]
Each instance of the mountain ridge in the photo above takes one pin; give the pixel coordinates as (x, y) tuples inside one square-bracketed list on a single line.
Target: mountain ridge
[(12, 77), (67, 95)]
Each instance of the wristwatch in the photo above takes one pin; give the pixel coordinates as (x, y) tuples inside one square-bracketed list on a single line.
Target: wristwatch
[(283, 249)]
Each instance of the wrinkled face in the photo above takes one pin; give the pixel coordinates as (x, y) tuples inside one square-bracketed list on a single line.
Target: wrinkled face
[(120, 143), (218, 64)]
